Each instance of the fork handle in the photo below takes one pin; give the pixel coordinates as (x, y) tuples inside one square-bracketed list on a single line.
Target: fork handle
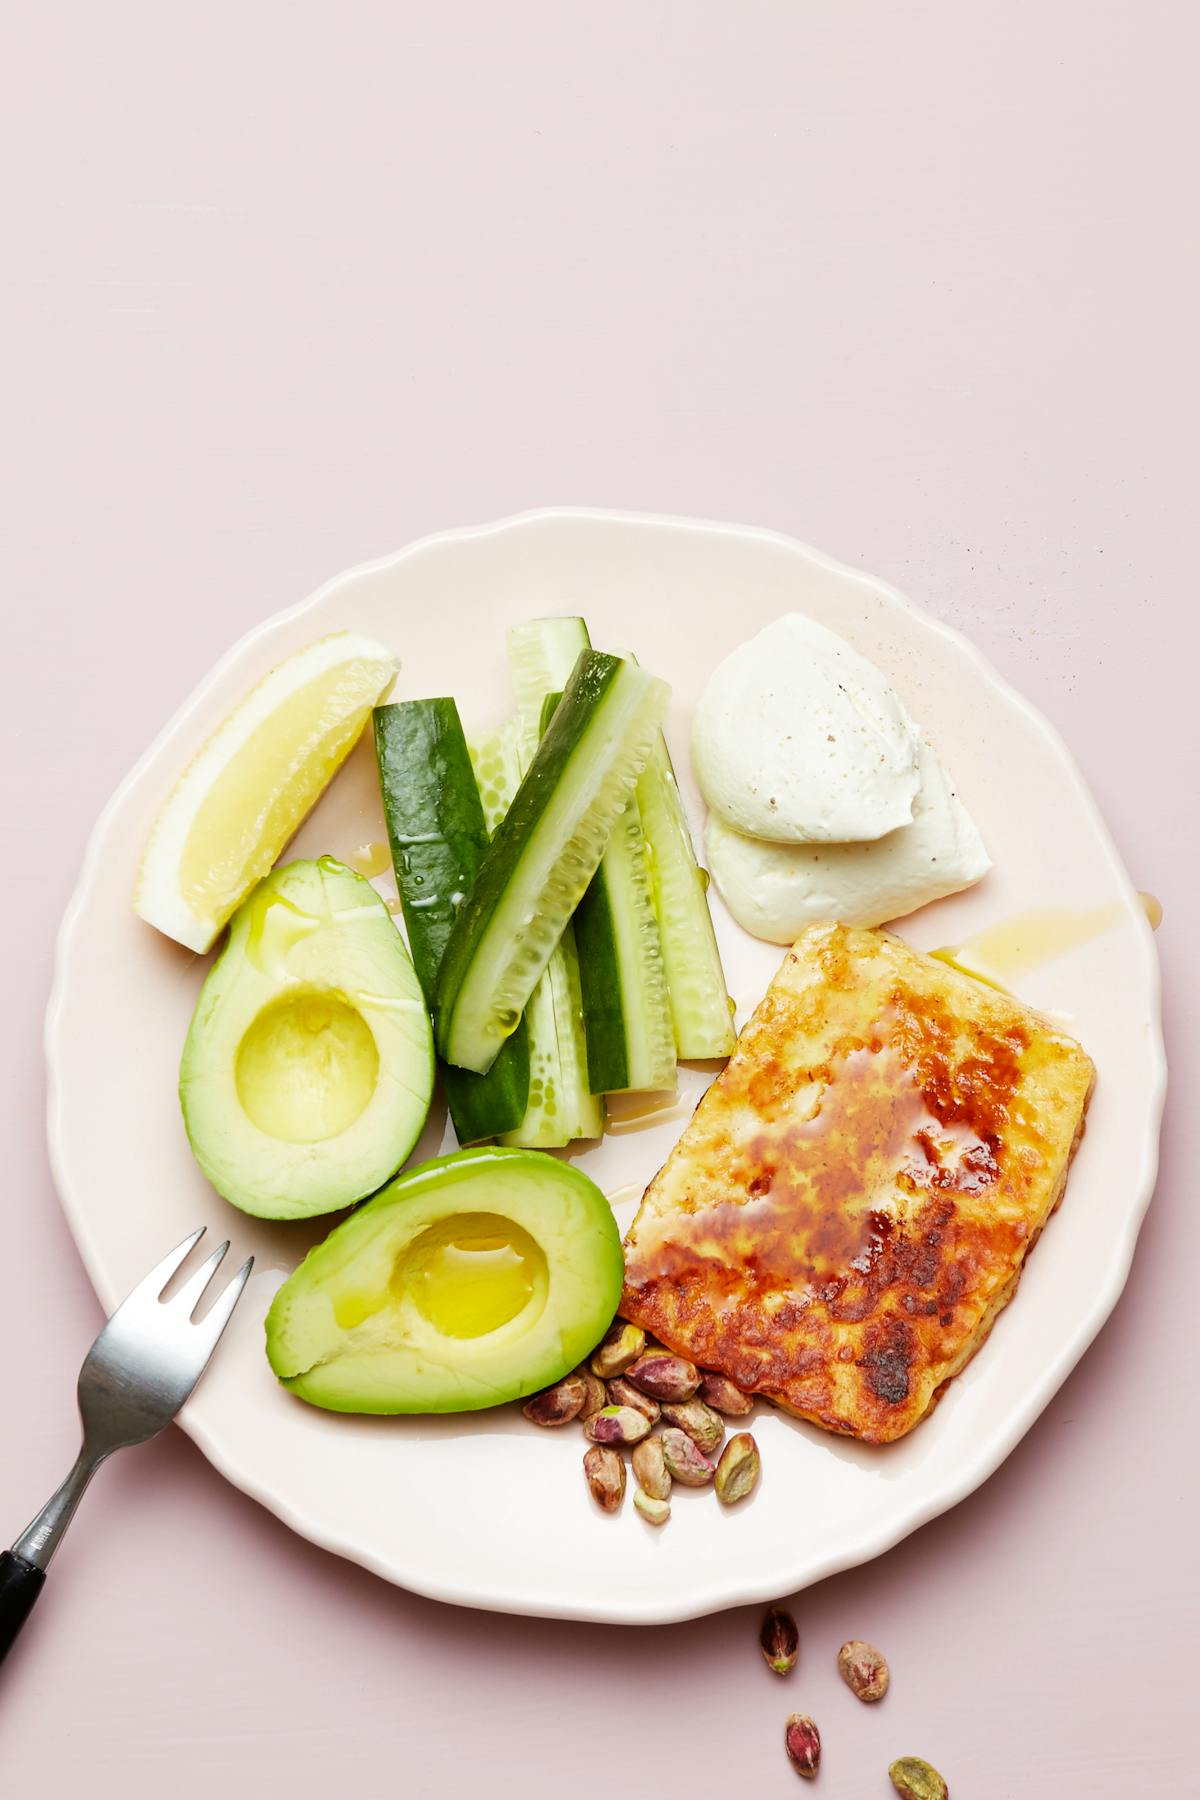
[(20, 1585)]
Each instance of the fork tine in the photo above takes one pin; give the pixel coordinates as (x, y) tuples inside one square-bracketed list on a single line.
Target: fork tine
[(219, 1315), (153, 1284), (192, 1292)]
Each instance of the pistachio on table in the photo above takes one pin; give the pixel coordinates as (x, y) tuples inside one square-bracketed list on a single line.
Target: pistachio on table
[(864, 1670), (653, 1510), (650, 1467), (780, 1641), (617, 1425), (802, 1742), (738, 1470), (705, 1427), (663, 1376), (557, 1405), (621, 1392), (621, 1345), (595, 1393), (605, 1474), (720, 1393), (916, 1780), (685, 1463)]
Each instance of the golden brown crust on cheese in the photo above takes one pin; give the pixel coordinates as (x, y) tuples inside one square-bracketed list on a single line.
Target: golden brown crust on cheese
[(851, 1205)]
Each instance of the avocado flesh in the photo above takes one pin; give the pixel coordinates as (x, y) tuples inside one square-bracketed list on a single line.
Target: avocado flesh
[(469, 1281), (308, 1068)]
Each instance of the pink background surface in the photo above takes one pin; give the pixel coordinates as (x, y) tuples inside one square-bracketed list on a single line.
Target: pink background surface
[(281, 291)]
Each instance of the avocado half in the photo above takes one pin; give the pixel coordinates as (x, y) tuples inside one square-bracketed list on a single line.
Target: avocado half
[(308, 1067), (471, 1280)]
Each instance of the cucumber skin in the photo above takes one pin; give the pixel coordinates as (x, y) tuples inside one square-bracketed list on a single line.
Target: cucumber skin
[(704, 1031), (593, 676), (541, 655), (605, 1042), (669, 841), (606, 1026), (437, 835), (600, 986), (561, 1107), (621, 1047)]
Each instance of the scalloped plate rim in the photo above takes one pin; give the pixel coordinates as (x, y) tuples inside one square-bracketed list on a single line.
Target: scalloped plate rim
[(993, 1451)]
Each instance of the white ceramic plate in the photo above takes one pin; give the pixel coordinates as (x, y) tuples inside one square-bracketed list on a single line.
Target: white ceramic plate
[(484, 1509)]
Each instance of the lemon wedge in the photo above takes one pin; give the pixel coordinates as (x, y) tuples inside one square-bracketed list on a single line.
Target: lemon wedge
[(246, 791)]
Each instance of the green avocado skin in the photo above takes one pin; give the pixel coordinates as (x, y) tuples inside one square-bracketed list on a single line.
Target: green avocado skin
[(312, 930), (395, 1359)]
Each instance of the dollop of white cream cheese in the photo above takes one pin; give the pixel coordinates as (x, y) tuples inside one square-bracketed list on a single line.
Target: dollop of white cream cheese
[(798, 739), (774, 890)]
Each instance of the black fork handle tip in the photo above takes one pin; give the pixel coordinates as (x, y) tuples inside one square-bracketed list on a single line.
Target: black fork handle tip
[(20, 1584)]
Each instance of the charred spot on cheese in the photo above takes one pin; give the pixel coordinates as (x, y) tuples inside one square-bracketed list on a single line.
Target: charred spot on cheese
[(887, 1360), (853, 1201)]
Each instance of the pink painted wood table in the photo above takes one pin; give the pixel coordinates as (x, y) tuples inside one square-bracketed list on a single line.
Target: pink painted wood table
[(283, 287)]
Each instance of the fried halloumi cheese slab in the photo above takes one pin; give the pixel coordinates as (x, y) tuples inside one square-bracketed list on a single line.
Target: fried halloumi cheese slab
[(853, 1201)]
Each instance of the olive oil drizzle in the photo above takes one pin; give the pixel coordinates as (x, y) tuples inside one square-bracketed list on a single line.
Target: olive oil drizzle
[(1030, 939)]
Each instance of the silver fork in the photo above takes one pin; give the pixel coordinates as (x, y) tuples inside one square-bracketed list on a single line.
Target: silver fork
[(134, 1379)]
